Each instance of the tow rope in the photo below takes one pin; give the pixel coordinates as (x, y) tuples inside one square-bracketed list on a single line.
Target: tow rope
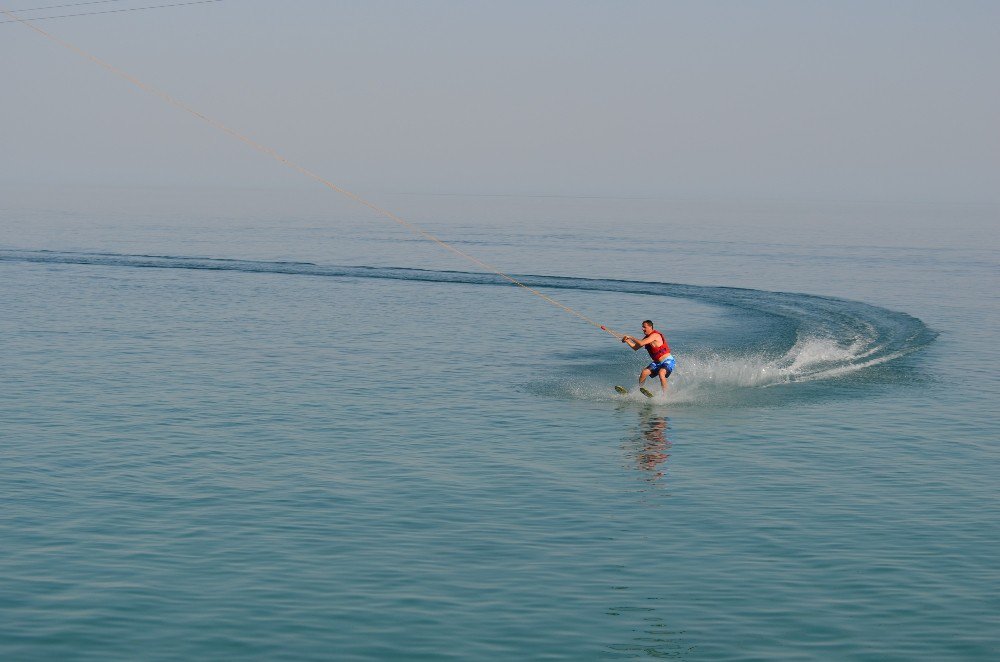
[(298, 168)]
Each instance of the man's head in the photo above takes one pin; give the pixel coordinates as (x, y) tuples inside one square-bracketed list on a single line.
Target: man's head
[(647, 327)]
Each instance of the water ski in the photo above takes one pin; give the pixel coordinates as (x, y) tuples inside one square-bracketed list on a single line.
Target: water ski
[(642, 389)]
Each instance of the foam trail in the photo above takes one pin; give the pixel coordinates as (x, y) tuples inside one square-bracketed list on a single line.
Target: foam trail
[(832, 336)]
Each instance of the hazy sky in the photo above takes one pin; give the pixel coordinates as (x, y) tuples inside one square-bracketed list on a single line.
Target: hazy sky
[(868, 100)]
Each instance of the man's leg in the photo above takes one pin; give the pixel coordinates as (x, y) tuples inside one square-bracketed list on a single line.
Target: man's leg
[(663, 379), (642, 376)]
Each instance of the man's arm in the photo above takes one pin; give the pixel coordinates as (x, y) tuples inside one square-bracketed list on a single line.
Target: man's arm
[(633, 343)]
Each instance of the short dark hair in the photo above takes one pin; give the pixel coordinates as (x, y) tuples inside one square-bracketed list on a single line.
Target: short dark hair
[(649, 322)]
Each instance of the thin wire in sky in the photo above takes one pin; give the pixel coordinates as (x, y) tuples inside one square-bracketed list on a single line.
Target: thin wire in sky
[(72, 4), (106, 11)]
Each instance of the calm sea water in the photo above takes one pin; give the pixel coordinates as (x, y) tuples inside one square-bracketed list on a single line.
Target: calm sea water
[(241, 424)]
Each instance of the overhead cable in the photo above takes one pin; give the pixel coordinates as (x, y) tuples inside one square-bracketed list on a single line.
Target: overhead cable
[(17, 19)]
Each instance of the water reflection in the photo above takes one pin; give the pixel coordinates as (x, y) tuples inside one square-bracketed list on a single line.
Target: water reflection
[(646, 448), (652, 636), (649, 445)]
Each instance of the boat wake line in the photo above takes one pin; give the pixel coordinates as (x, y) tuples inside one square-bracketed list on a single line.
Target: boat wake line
[(831, 337)]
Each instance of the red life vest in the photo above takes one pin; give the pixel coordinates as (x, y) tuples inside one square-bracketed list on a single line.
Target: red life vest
[(658, 353)]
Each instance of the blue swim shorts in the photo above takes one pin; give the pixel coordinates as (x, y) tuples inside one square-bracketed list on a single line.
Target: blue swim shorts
[(668, 363)]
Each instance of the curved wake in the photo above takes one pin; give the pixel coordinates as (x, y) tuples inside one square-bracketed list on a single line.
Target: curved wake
[(827, 337)]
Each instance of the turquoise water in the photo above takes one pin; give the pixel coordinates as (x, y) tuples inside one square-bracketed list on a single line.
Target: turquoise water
[(242, 424)]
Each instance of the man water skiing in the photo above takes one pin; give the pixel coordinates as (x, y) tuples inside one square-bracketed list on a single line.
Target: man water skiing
[(663, 361)]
